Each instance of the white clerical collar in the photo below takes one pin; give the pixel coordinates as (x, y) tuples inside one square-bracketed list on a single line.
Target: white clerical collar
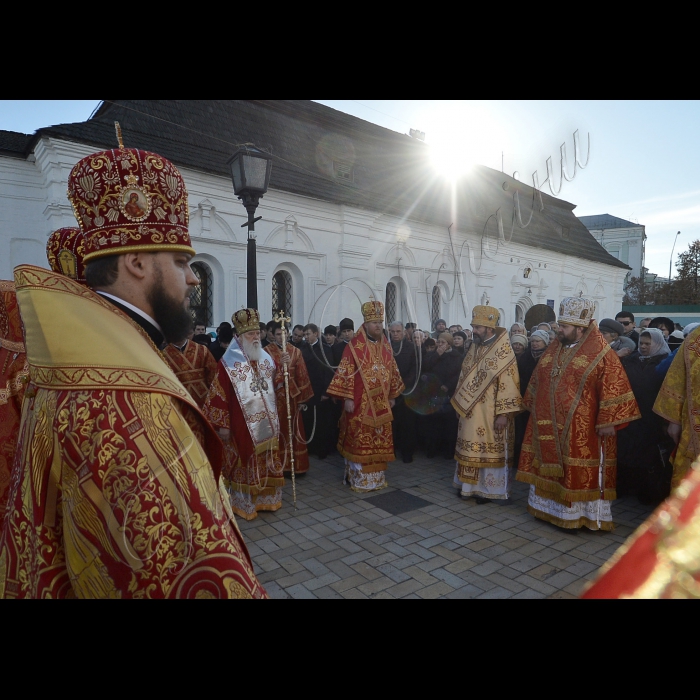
[(133, 308), (488, 340)]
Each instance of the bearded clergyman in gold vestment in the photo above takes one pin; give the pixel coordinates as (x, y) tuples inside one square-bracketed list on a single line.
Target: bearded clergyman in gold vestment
[(486, 400), (679, 403), (115, 490)]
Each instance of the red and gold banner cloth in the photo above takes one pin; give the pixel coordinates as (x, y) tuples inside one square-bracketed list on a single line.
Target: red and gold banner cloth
[(14, 376), (368, 375), (662, 558), (112, 495), (573, 391), (300, 391), (194, 366), (679, 402)]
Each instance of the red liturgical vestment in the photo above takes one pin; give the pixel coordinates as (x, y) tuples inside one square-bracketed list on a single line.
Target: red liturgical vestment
[(368, 375), (300, 391), (194, 366), (242, 399), (112, 495), (14, 375), (573, 391)]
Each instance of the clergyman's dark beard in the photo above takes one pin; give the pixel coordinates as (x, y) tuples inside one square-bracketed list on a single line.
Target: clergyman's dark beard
[(170, 314)]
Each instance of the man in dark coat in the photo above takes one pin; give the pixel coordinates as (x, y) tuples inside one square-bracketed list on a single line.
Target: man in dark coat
[(319, 363), (626, 318), (346, 330), (404, 425), (220, 345)]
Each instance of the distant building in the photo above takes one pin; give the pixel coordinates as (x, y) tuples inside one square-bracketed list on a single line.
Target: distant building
[(623, 239), (353, 210)]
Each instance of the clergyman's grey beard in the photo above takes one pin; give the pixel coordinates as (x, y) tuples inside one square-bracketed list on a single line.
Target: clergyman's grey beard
[(252, 349)]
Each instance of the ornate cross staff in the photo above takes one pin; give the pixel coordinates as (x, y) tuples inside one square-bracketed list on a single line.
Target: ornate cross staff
[(283, 320)]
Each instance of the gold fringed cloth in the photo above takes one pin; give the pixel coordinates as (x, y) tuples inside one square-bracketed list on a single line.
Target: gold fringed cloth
[(300, 391), (14, 376), (488, 386), (662, 558), (368, 375), (113, 495), (679, 402), (572, 392), (195, 367)]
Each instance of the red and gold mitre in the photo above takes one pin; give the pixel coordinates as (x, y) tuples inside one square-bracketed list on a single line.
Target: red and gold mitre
[(373, 311), (65, 251), (246, 320), (485, 316), (576, 311), (11, 333), (127, 201)]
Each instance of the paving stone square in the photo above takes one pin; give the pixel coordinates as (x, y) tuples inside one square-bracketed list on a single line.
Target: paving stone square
[(418, 539)]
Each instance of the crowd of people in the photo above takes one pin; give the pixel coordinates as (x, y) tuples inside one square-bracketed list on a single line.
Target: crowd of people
[(124, 458)]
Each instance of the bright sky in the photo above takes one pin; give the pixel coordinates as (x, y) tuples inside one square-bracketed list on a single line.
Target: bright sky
[(641, 163)]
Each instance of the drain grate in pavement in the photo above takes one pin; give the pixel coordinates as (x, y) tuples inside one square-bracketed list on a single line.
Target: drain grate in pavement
[(397, 502)]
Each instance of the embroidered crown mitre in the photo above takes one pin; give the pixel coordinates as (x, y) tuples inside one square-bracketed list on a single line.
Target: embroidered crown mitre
[(127, 200), (373, 311), (246, 320), (576, 311), (485, 316), (65, 251)]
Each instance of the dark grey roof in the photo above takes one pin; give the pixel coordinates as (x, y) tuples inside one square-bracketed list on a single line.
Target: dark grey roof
[(391, 174), (603, 221), (13, 143)]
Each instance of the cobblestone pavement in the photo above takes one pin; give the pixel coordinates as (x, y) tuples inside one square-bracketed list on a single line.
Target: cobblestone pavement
[(339, 544)]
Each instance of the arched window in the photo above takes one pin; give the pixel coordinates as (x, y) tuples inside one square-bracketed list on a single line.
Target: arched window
[(201, 299), (390, 310), (282, 293), (435, 308)]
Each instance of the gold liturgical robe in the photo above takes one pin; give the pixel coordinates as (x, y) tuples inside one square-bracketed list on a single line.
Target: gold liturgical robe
[(489, 386), (679, 402)]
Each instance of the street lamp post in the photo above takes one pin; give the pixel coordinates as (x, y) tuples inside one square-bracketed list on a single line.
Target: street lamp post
[(669, 264), (250, 172), (671, 260)]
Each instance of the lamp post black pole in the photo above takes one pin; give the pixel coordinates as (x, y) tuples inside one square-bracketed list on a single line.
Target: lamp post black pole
[(250, 202)]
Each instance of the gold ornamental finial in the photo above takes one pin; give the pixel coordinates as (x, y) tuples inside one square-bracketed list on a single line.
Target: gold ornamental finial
[(118, 129)]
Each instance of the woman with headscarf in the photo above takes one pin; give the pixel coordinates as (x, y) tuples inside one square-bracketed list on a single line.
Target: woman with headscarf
[(518, 342), (527, 361), (643, 447)]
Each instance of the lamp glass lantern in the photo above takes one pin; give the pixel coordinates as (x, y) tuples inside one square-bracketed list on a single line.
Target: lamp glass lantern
[(250, 171)]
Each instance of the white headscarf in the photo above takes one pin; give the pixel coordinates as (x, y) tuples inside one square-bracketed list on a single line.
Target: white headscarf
[(659, 346), (542, 335)]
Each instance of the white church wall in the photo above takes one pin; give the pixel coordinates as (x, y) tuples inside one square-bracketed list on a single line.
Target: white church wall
[(336, 255)]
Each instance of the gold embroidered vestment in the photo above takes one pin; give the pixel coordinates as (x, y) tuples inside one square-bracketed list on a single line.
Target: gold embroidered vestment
[(679, 402), (488, 386), (114, 496)]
